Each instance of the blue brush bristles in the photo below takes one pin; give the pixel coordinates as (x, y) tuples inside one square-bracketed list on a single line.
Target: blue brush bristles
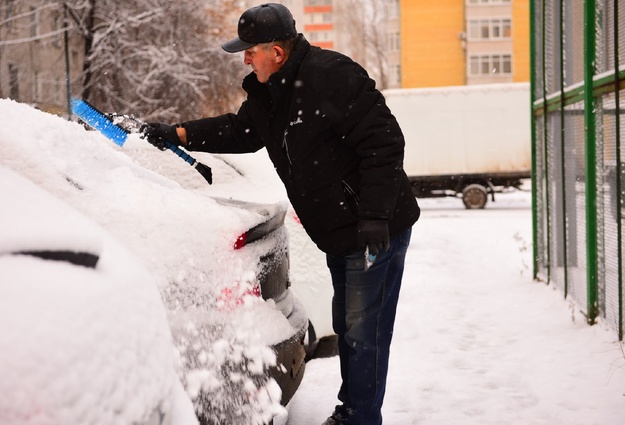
[(99, 121)]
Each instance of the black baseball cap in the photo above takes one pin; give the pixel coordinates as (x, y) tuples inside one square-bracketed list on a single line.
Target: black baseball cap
[(262, 24)]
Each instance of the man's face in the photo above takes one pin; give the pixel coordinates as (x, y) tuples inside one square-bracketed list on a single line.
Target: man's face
[(264, 61)]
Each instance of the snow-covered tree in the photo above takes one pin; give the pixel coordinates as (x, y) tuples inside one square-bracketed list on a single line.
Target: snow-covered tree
[(158, 59), (367, 21)]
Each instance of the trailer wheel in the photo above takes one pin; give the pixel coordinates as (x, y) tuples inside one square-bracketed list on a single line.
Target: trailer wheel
[(474, 196)]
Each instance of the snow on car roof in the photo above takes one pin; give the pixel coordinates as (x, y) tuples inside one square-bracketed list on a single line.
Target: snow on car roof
[(59, 319), (28, 226)]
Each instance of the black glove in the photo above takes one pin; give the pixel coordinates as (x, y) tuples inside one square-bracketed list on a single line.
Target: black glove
[(157, 133), (374, 234)]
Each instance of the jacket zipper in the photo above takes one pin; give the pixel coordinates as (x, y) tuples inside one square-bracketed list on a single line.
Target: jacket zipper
[(285, 147)]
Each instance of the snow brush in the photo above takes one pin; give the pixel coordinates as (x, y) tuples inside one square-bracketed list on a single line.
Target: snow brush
[(118, 132)]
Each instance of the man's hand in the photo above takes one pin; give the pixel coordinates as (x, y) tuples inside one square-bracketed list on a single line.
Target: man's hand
[(157, 133), (373, 234)]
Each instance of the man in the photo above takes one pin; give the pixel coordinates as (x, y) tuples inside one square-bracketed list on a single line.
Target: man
[(339, 152)]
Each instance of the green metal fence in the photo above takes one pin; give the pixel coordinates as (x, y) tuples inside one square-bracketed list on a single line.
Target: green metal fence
[(577, 82)]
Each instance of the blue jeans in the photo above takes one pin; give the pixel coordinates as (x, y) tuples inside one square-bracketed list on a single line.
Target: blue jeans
[(363, 315)]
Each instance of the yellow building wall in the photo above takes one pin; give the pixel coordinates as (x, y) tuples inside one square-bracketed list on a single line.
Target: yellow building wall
[(521, 40), (432, 53)]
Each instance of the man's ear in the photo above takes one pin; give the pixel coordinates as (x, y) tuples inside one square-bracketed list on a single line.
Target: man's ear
[(279, 55)]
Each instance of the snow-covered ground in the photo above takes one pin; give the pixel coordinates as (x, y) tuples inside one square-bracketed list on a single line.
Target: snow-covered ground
[(477, 341)]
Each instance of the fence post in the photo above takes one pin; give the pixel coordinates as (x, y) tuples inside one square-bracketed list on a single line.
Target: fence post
[(533, 135), (619, 188), (591, 161)]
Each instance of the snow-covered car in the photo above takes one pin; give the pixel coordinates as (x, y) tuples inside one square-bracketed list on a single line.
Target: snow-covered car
[(309, 274), (82, 327), (312, 285), (220, 265)]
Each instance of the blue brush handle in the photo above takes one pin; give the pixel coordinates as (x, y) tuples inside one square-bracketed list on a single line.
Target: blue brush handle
[(201, 168), (182, 154)]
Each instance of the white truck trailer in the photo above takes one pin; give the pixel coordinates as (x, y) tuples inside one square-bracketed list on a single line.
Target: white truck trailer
[(465, 141)]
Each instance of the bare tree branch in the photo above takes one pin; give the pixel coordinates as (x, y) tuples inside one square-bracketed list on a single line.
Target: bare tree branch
[(33, 38), (367, 19), (157, 59)]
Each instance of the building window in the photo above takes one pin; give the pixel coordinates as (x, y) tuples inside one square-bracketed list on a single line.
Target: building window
[(317, 2), (490, 29), (59, 83), (487, 2), (501, 28), (9, 4), (317, 36), (484, 30), (14, 85), (34, 22), (490, 65), (36, 86), (394, 43), (318, 18), (392, 9), (397, 73)]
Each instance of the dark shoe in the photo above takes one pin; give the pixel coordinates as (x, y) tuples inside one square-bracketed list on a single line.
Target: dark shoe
[(338, 417)]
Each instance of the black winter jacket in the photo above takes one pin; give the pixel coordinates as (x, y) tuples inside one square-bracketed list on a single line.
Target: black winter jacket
[(332, 139)]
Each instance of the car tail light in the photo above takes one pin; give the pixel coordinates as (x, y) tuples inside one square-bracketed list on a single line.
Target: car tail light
[(230, 298), (271, 215), (241, 241), (260, 231)]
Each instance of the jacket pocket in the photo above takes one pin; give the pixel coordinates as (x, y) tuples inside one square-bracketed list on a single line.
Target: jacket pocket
[(325, 209)]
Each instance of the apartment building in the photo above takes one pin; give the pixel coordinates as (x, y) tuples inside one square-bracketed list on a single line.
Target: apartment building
[(319, 23), (393, 43), (324, 23), (457, 42), (37, 62)]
